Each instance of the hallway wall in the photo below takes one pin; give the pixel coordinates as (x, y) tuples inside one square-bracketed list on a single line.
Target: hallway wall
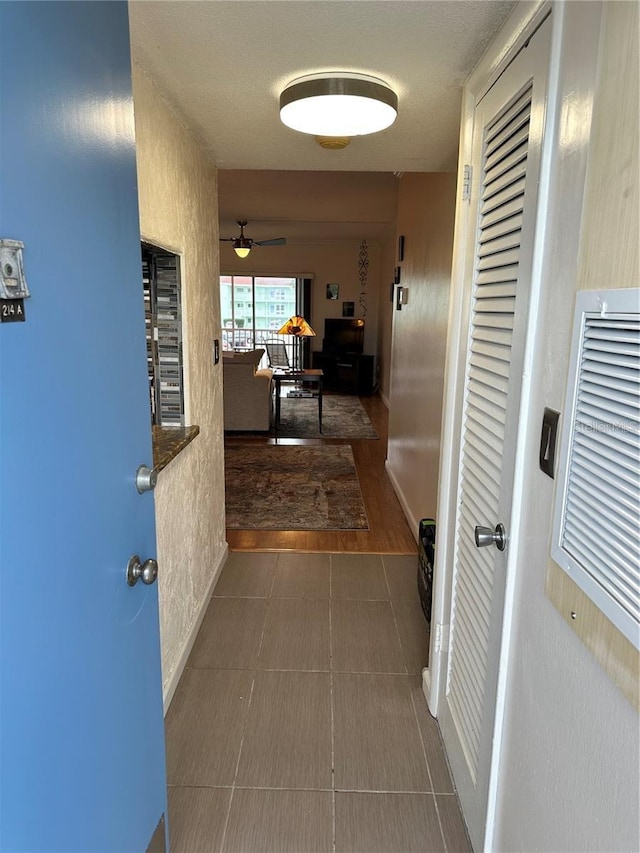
[(178, 211), (386, 307), (569, 776), (426, 206)]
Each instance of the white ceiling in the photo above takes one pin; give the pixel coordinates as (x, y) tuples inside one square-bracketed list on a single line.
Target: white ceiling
[(223, 64)]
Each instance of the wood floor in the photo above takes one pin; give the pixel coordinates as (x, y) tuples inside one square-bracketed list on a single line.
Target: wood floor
[(389, 532)]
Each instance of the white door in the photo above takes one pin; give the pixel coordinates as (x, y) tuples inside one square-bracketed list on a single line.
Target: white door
[(508, 128)]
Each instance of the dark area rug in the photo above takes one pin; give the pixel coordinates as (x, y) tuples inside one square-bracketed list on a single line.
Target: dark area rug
[(284, 487), (342, 417)]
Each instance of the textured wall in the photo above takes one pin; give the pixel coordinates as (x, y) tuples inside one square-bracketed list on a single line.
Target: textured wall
[(569, 774), (426, 205), (178, 211)]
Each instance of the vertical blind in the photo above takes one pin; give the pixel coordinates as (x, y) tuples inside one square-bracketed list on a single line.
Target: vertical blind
[(163, 316)]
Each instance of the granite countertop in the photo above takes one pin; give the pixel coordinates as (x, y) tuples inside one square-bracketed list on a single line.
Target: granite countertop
[(169, 441)]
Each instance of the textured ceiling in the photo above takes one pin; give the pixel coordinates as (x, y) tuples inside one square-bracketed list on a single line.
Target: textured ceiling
[(224, 63)]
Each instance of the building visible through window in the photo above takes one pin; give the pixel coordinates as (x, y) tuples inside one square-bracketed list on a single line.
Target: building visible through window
[(253, 306)]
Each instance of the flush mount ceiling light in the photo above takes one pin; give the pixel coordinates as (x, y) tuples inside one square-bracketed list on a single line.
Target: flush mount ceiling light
[(338, 104)]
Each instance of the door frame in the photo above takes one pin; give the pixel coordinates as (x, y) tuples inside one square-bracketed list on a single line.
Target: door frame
[(519, 27)]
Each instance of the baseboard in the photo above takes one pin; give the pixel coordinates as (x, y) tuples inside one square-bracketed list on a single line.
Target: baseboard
[(412, 522), (193, 633), (426, 688), (384, 399)]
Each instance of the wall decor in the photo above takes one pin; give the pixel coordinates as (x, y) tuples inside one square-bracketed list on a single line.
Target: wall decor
[(348, 309), (363, 271), (396, 275), (332, 291), (401, 247), (392, 288)]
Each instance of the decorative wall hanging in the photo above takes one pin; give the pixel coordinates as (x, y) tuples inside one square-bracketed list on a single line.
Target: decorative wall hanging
[(363, 271), (401, 247), (348, 309)]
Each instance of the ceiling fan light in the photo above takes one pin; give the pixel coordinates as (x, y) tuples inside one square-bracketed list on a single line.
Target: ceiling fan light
[(338, 105), (242, 247)]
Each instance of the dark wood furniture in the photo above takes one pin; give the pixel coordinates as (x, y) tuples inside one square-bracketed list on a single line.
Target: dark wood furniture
[(349, 373), (308, 377)]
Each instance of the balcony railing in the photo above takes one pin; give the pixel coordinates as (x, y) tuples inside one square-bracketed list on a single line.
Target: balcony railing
[(242, 340)]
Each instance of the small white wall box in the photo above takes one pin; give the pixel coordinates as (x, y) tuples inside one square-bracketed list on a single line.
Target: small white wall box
[(595, 531), (402, 297), (13, 284)]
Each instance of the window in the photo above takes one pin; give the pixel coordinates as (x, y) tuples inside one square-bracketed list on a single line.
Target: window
[(163, 317), (596, 537), (253, 308)]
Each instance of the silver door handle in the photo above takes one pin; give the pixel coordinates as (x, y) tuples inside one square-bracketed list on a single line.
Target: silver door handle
[(147, 572), (485, 536)]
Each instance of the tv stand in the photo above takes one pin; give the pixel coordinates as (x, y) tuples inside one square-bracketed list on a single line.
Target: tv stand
[(348, 373)]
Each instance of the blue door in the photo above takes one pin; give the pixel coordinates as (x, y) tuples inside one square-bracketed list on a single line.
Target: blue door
[(82, 748)]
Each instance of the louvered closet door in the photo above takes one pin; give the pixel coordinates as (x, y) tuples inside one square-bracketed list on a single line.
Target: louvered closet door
[(508, 127)]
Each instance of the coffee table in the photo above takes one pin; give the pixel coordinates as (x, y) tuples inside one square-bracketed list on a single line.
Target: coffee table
[(313, 377)]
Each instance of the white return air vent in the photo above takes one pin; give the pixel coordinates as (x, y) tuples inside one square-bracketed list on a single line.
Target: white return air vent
[(596, 535)]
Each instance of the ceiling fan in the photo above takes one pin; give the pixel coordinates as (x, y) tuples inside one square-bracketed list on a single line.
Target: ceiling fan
[(242, 245)]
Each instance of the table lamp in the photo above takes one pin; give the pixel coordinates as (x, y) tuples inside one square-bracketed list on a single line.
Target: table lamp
[(299, 328)]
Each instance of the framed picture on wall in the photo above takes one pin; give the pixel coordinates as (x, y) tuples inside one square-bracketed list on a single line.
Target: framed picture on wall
[(348, 309), (401, 247), (332, 291), (396, 275)]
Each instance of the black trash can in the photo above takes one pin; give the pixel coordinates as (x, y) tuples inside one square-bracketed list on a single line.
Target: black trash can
[(426, 554)]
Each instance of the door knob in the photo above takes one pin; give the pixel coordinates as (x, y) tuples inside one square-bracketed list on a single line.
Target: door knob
[(485, 536), (147, 572)]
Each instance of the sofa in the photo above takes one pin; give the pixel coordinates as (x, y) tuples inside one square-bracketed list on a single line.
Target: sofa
[(247, 392)]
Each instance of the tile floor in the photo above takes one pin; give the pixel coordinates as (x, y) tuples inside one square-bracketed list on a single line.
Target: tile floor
[(299, 723)]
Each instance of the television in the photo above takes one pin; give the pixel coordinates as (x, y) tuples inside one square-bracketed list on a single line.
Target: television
[(343, 335)]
